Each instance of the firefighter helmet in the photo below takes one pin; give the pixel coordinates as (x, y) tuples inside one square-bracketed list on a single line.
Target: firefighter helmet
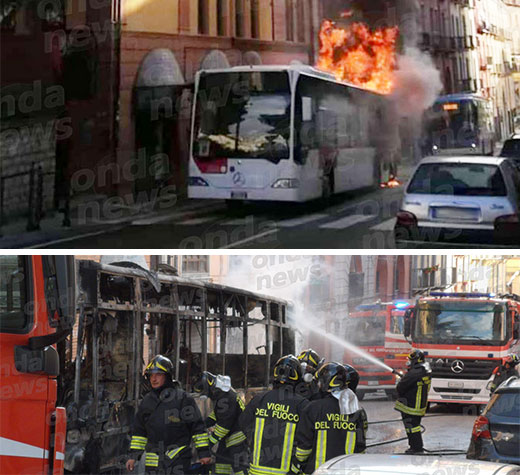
[(310, 360), (331, 377), (160, 364), (352, 377), (205, 383), (416, 357), (512, 359), (287, 370)]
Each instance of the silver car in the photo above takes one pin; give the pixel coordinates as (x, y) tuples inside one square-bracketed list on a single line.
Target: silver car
[(461, 199), (387, 464)]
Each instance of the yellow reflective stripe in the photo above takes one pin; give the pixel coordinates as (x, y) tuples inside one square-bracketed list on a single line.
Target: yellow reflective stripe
[(223, 468), (259, 432), (212, 439), (200, 440), (408, 410), (350, 442), (235, 439), (302, 454), (213, 416), (138, 443), (241, 403), (418, 397), (415, 429), (321, 448), (152, 460), (220, 431), (174, 452), (260, 470), (288, 443)]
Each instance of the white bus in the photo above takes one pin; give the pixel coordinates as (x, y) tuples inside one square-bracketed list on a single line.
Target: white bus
[(282, 133)]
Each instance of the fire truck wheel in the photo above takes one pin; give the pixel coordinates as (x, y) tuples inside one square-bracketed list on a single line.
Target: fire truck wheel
[(360, 394)]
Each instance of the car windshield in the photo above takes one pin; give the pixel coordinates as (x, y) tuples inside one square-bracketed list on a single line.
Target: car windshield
[(460, 179), (244, 115), (367, 331), (505, 405), (461, 322), (511, 149)]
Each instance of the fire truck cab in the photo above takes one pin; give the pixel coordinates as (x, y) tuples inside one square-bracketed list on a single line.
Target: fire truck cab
[(36, 312), (464, 336), (377, 329)]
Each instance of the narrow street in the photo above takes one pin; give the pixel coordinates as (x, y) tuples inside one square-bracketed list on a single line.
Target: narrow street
[(446, 427)]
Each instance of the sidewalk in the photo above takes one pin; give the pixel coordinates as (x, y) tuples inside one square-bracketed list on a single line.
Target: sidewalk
[(15, 235)]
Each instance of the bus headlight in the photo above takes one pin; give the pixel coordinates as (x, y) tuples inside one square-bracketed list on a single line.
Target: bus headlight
[(197, 181), (286, 183)]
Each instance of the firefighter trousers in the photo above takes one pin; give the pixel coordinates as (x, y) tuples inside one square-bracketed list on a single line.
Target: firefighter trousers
[(232, 459), (412, 425)]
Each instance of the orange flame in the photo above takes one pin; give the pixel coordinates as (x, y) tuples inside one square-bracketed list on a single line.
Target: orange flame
[(359, 55), (391, 183)]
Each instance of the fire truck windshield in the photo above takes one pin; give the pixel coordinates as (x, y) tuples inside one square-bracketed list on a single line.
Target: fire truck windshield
[(466, 322), (13, 294), (367, 331)]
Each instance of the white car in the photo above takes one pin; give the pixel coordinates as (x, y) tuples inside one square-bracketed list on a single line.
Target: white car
[(461, 199), (387, 464)]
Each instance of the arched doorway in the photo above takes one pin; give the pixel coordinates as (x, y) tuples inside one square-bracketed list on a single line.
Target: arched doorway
[(159, 85), (251, 58), (215, 59)]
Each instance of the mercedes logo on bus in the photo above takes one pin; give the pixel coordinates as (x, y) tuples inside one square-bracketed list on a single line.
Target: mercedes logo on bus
[(457, 366), (239, 179)]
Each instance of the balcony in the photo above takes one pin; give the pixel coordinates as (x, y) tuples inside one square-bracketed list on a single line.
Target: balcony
[(469, 42), (425, 41)]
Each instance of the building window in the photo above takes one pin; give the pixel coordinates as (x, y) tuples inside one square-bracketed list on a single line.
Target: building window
[(221, 18), (289, 17), (195, 264), (300, 12), (255, 7), (356, 278), (239, 18)]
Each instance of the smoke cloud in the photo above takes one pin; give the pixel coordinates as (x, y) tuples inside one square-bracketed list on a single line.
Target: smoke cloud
[(418, 83)]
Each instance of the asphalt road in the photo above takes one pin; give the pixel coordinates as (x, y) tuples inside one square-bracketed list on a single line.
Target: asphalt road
[(361, 220), (448, 427)]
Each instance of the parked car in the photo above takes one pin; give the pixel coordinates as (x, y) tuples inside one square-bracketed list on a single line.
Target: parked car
[(511, 147), (461, 199), (496, 433), (388, 464)]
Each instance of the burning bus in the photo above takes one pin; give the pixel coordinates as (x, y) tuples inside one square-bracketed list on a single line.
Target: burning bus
[(377, 329), (464, 337), (73, 359)]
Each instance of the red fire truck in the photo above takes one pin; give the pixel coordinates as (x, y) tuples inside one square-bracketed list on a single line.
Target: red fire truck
[(377, 329), (464, 337), (36, 311)]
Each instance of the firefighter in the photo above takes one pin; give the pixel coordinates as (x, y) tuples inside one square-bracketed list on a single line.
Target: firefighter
[(167, 421), (270, 420), (352, 377), (505, 371), (310, 362), (412, 398), (331, 426), (232, 449)]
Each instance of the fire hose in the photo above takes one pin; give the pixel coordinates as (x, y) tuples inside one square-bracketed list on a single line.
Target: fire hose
[(423, 430)]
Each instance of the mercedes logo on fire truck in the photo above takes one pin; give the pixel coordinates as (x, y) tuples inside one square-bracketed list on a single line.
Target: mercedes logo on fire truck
[(457, 366)]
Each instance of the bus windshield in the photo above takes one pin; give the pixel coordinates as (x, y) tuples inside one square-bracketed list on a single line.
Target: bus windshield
[(367, 331), (461, 322), (243, 114)]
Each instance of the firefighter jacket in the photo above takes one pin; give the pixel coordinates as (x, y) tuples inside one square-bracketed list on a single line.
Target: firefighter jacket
[(269, 422), (324, 433), (412, 390), (224, 418), (501, 374), (167, 421)]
